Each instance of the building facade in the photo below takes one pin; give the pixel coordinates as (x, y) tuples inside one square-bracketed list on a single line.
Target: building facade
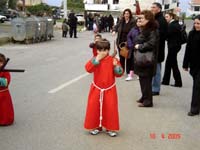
[(120, 5), (31, 2), (194, 7)]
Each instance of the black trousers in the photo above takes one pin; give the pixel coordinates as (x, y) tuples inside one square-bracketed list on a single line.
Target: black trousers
[(73, 31), (146, 89), (172, 64), (195, 104), (64, 34), (130, 63)]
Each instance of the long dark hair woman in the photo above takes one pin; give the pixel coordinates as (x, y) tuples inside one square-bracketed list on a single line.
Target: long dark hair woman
[(191, 60), (146, 41), (122, 28)]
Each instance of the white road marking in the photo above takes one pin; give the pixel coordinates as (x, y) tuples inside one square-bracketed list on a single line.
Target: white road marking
[(62, 86)]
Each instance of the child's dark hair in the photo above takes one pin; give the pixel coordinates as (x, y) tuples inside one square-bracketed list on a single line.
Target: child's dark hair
[(103, 45), (98, 35), (2, 58)]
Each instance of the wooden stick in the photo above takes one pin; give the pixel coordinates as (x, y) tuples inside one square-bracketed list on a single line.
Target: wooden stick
[(13, 70), (4, 65)]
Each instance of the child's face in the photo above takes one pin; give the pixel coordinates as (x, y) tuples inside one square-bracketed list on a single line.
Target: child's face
[(105, 52), (97, 38)]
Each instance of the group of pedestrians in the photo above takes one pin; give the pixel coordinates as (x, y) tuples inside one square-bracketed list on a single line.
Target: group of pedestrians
[(140, 36), (145, 34), (70, 25), (103, 23)]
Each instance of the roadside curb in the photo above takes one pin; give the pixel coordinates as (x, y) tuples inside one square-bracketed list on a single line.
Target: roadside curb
[(4, 40)]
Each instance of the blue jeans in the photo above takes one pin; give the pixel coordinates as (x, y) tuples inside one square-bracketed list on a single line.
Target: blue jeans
[(156, 81)]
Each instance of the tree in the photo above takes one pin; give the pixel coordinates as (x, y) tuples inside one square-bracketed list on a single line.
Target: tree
[(39, 9), (3, 4), (75, 5), (12, 4)]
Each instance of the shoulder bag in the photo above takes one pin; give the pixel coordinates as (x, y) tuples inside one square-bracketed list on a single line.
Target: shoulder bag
[(123, 50), (145, 59)]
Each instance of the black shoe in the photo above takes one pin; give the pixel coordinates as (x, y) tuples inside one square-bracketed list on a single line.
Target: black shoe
[(155, 93), (192, 114), (176, 85), (165, 83), (142, 105), (139, 101)]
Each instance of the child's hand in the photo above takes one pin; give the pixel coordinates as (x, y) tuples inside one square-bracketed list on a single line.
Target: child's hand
[(114, 62), (96, 40), (136, 46), (101, 55), (113, 33)]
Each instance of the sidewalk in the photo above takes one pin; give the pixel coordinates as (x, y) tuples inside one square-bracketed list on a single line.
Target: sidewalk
[(6, 37)]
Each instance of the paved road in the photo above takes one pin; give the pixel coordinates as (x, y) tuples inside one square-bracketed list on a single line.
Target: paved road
[(50, 100), (5, 29)]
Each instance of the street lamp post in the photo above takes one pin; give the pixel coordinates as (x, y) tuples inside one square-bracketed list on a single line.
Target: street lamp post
[(23, 5), (65, 8)]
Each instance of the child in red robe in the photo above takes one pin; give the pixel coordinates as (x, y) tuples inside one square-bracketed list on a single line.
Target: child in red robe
[(6, 106), (92, 45), (102, 107)]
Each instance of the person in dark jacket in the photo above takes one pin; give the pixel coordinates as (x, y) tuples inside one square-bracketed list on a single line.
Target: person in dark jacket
[(122, 28), (72, 21), (191, 60), (64, 28), (110, 23), (174, 46), (131, 44), (146, 41), (156, 9)]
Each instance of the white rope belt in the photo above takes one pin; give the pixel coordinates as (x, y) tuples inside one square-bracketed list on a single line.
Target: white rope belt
[(101, 99), (3, 90)]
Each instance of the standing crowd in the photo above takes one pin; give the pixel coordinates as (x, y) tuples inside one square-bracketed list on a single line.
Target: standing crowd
[(144, 36)]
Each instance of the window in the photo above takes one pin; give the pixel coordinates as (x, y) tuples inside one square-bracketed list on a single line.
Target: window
[(97, 1), (115, 1), (166, 6), (104, 1), (196, 8)]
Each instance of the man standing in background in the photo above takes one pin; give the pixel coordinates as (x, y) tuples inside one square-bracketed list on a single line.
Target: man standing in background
[(72, 21), (156, 9)]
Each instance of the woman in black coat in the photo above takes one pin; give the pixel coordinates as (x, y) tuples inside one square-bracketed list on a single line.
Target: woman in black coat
[(174, 46), (146, 41), (192, 61), (122, 28)]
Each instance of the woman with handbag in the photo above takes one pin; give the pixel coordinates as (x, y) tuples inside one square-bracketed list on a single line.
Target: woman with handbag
[(122, 28), (145, 53)]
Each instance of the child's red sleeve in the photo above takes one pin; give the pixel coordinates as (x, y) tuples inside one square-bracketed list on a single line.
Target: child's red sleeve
[(91, 65), (118, 70)]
